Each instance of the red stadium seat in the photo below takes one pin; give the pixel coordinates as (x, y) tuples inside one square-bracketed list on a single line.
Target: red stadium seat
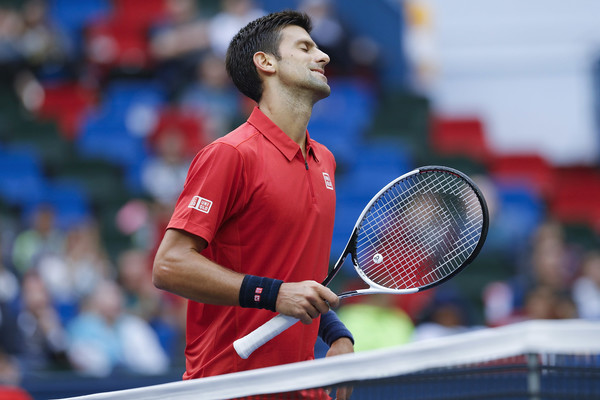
[(577, 198), (115, 42), (530, 170), (189, 125), (66, 102), (140, 13), (460, 136)]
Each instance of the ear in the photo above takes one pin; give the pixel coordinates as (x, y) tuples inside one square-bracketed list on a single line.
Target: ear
[(264, 62)]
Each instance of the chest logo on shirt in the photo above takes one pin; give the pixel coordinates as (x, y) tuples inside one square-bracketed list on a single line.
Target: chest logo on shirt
[(328, 182), (201, 204)]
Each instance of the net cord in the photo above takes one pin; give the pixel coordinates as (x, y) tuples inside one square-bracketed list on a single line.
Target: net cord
[(558, 337)]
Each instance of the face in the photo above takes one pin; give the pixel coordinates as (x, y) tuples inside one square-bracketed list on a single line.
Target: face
[(302, 63)]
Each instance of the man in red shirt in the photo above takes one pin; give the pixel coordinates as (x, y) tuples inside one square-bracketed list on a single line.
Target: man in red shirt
[(251, 231)]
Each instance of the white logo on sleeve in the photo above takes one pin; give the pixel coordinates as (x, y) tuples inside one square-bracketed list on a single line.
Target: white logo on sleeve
[(201, 204), (328, 183)]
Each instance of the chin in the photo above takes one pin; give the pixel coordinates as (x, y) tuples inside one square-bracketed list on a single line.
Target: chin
[(322, 91)]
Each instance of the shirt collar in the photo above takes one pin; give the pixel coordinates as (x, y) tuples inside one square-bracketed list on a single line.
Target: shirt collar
[(283, 142)]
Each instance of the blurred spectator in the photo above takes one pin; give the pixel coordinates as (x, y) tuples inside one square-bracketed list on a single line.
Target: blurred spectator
[(542, 302), (43, 333), (134, 276), (42, 238), (163, 174), (375, 323), (11, 342), (179, 42), (29, 42), (11, 26), (448, 314), (543, 284), (234, 15), (586, 289), (105, 337), (74, 274), (9, 284), (42, 43), (213, 97), (166, 317)]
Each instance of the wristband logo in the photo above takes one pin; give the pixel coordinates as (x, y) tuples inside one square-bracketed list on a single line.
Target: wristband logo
[(328, 182), (257, 292), (201, 204)]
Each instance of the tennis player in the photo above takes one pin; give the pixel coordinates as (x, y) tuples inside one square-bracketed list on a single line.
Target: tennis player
[(251, 231)]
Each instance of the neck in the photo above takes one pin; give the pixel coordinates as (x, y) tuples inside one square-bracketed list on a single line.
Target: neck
[(290, 114)]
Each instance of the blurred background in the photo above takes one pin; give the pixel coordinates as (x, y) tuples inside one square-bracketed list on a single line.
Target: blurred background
[(103, 103)]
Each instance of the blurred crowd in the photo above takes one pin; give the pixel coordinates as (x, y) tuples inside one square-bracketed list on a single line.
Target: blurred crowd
[(67, 304)]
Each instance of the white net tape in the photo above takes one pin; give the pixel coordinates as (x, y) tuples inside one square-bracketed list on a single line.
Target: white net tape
[(556, 337)]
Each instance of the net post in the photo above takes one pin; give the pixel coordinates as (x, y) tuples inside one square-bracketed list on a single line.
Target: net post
[(534, 383)]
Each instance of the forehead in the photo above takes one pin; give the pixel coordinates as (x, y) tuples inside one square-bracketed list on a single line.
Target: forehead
[(292, 34)]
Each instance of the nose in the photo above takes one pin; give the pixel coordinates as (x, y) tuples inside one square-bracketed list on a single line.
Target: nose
[(323, 58)]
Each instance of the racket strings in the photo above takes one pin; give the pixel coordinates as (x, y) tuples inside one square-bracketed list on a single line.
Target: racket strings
[(425, 271), (419, 231)]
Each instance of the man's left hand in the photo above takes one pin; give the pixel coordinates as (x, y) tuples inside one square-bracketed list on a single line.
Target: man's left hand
[(341, 346)]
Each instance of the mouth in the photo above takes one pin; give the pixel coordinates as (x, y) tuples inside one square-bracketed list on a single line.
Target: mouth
[(319, 71)]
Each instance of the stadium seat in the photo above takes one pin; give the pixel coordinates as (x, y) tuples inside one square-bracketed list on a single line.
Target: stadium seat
[(117, 147), (188, 124), (116, 43), (73, 16), (460, 136), (140, 13), (124, 96), (577, 198), (532, 170), (69, 201), (351, 104), (404, 115), (343, 141), (66, 102), (21, 178), (520, 210), (101, 180)]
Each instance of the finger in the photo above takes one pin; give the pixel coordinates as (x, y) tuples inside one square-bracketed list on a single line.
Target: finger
[(313, 311), (343, 393), (305, 317), (327, 295), (321, 306)]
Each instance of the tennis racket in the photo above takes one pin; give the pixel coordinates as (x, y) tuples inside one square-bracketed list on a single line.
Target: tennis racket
[(417, 232)]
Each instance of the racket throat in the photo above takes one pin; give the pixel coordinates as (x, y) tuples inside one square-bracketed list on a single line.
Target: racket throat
[(376, 290)]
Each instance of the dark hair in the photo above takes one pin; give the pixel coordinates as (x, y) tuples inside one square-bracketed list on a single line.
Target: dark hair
[(262, 34)]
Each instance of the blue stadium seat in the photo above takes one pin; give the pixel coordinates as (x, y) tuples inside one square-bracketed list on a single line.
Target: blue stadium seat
[(376, 164), (123, 94), (351, 104), (69, 202), (519, 212), (116, 147), (21, 178), (72, 16), (116, 131), (343, 142)]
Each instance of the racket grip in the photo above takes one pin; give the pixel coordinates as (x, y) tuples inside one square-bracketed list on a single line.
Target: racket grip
[(246, 345)]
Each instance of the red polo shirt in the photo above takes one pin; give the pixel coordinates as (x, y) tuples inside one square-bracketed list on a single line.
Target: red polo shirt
[(264, 211)]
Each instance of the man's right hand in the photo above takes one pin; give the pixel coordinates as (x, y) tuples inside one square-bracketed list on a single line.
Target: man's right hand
[(305, 300)]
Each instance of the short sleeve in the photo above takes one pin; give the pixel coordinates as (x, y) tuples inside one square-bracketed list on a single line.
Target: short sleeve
[(213, 190)]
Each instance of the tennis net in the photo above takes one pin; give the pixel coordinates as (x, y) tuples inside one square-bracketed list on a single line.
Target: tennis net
[(533, 360)]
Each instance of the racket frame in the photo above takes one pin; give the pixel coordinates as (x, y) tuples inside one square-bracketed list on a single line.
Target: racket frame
[(350, 248)]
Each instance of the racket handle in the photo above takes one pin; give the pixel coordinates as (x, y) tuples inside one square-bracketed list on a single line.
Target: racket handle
[(246, 345)]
